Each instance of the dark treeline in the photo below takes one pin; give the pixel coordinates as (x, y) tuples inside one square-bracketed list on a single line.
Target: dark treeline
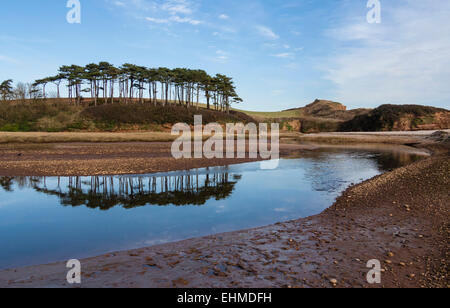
[(105, 83)]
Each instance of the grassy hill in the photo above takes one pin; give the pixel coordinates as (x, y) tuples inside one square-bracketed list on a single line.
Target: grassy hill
[(53, 116), (319, 116)]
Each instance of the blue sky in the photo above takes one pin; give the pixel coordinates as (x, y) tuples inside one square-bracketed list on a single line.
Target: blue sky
[(281, 54)]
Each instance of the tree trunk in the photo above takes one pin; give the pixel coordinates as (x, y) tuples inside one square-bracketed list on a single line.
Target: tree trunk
[(198, 96), (112, 91), (167, 93)]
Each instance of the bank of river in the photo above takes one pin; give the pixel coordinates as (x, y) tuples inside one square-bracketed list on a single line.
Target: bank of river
[(399, 218)]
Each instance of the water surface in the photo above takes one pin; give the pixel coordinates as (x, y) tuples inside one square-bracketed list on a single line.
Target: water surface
[(60, 218)]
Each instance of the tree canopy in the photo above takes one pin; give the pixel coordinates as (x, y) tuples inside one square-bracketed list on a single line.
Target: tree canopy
[(6, 89), (130, 83)]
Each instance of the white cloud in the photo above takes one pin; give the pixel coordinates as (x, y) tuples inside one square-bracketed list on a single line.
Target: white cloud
[(185, 20), (284, 55), (174, 18), (267, 32), (405, 59), (224, 16), (8, 59), (119, 3), (168, 11), (177, 7), (141, 5), (157, 21), (221, 56)]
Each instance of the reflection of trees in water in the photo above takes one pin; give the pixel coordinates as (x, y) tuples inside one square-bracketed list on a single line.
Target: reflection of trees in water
[(6, 183), (106, 192)]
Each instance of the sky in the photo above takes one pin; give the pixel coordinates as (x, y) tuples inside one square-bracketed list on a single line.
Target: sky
[(281, 53)]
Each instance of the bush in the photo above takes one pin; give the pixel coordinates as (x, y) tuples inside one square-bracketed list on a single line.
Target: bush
[(318, 126)]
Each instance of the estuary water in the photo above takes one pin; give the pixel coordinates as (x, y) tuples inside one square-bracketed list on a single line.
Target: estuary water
[(47, 219)]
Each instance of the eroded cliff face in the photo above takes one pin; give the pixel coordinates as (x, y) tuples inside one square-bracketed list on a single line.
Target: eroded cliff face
[(400, 118), (319, 116), (408, 122), (443, 119), (291, 126), (329, 116)]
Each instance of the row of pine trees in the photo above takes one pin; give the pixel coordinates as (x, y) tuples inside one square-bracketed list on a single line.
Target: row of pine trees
[(105, 83)]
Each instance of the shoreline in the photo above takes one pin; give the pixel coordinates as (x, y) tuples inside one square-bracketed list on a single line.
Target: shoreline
[(105, 157), (316, 249)]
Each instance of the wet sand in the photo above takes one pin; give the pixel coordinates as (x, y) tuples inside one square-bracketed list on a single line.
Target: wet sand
[(400, 218)]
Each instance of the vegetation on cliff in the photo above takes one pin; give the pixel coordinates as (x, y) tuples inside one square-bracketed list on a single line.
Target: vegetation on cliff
[(399, 117)]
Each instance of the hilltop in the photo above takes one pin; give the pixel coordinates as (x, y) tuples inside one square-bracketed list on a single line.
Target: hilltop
[(329, 116), (319, 116)]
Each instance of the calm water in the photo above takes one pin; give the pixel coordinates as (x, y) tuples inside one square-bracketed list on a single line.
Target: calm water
[(53, 219)]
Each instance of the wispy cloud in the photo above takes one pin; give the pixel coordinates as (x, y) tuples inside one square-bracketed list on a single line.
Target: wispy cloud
[(174, 18), (119, 3), (141, 5), (284, 55), (157, 20), (405, 59), (8, 59), (185, 20), (167, 12), (221, 56), (177, 7), (267, 32)]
